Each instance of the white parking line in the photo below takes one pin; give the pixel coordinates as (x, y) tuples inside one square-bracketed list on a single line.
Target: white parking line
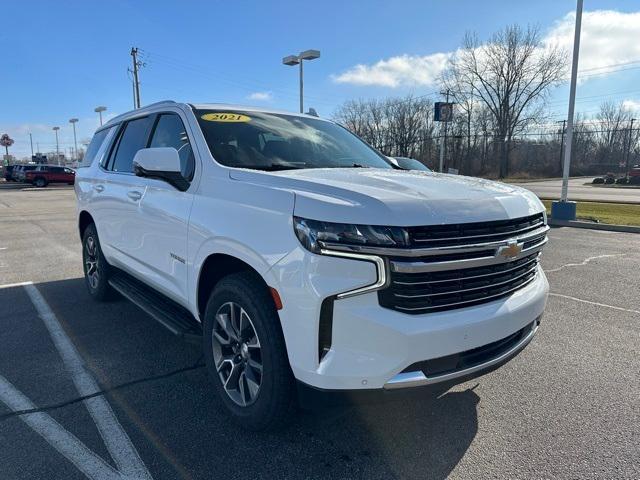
[(115, 438), (13, 285), (594, 303), (62, 440), (583, 263)]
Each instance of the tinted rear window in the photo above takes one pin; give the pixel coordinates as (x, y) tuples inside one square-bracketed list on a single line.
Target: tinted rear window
[(94, 148), (134, 138)]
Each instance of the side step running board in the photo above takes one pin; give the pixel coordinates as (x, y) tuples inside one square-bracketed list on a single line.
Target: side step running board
[(174, 317)]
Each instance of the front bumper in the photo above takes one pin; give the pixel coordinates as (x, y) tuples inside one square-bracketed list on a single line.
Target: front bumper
[(372, 346)]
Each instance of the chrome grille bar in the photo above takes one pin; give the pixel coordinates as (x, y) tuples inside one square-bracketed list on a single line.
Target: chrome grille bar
[(497, 284), (460, 304), (424, 267), (429, 282), (434, 251)]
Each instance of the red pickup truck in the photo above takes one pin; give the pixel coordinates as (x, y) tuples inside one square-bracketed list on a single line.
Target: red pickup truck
[(43, 175)]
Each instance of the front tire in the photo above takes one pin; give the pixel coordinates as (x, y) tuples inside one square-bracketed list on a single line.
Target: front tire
[(245, 352), (96, 268)]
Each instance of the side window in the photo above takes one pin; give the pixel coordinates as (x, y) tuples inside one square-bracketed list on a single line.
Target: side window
[(134, 137), (170, 132), (57, 169), (94, 147)]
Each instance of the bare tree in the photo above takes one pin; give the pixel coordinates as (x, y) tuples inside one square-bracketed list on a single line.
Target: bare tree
[(510, 75)]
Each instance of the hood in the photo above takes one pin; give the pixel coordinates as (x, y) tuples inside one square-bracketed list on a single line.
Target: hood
[(394, 197)]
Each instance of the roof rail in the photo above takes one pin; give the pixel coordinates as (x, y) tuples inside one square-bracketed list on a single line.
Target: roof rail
[(157, 104), (141, 109)]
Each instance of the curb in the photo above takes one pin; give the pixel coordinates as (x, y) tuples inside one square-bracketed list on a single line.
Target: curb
[(618, 202), (593, 226)]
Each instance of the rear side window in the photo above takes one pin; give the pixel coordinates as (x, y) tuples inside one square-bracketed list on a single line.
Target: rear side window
[(134, 137), (94, 148), (170, 132)]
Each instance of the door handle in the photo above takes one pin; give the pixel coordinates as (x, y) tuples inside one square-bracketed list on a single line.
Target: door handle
[(98, 188), (134, 195)]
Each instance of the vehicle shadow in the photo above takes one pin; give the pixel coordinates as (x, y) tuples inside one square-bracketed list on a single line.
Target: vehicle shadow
[(161, 394)]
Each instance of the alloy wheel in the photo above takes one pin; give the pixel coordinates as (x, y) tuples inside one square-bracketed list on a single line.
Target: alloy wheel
[(91, 262), (237, 354)]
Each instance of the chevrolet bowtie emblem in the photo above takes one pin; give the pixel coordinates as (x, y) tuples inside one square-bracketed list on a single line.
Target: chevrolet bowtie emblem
[(511, 250)]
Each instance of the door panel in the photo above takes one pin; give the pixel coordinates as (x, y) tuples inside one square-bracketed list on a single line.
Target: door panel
[(161, 237), (119, 213), (158, 237)]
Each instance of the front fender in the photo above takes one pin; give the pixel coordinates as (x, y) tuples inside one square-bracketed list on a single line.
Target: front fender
[(252, 223)]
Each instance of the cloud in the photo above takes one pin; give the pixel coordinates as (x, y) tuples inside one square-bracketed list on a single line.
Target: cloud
[(633, 105), (261, 96), (402, 70), (607, 38)]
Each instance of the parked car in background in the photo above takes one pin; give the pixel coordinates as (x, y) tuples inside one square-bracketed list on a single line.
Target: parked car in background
[(21, 170), (295, 253), (406, 163), (8, 173), (43, 175)]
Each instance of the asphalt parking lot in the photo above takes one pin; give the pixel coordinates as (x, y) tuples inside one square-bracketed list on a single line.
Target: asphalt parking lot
[(567, 407)]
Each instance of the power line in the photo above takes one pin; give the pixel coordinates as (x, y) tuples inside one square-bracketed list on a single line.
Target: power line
[(632, 62), (245, 84)]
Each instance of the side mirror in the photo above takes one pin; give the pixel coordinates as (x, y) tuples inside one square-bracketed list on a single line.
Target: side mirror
[(162, 163)]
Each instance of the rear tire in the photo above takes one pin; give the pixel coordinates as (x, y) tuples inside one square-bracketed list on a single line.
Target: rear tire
[(245, 352), (96, 268), (40, 182)]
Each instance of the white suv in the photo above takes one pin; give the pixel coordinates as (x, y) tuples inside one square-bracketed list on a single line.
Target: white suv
[(297, 255)]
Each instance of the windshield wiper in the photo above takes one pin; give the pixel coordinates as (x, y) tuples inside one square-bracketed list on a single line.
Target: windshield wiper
[(274, 167)]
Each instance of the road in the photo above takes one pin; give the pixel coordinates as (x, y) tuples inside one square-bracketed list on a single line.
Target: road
[(550, 189), (567, 407)]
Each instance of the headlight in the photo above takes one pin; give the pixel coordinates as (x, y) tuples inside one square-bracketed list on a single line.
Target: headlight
[(315, 235)]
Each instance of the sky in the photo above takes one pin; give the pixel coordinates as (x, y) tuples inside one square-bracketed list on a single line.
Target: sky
[(62, 59)]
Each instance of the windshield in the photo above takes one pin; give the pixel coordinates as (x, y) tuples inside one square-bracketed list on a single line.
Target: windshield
[(411, 164), (268, 141)]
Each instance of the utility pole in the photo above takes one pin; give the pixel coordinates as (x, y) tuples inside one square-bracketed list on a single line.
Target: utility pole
[(564, 126), (626, 173), (31, 141), (136, 82), (443, 138)]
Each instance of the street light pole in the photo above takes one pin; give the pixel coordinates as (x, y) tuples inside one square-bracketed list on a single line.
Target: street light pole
[(99, 111), (564, 127), (55, 129), (73, 122), (626, 173), (564, 210), (31, 141), (301, 88), (292, 60)]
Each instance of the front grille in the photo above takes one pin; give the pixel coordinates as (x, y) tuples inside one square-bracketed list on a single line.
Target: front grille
[(472, 233), (443, 279)]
